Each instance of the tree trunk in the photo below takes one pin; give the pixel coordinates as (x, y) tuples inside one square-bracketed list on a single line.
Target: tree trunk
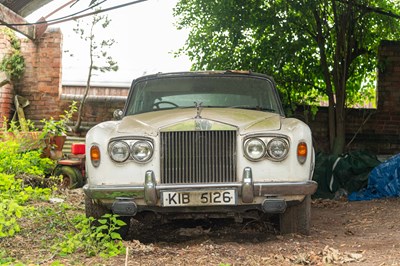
[(319, 38), (77, 125), (344, 55)]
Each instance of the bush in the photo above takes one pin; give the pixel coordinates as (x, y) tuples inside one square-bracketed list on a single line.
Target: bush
[(14, 193), (75, 233), (15, 161), (94, 237)]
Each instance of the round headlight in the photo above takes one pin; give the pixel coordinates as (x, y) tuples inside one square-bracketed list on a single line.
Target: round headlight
[(254, 149), (142, 151), (119, 151), (278, 149)]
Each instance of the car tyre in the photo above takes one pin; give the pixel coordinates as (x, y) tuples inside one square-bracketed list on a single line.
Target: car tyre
[(296, 219), (72, 177)]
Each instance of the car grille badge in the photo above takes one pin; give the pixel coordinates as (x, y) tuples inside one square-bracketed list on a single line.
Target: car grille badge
[(202, 124)]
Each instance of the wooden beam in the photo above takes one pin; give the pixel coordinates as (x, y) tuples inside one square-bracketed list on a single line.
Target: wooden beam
[(7, 17)]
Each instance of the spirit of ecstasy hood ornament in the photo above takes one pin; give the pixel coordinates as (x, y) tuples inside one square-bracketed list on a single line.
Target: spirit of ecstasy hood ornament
[(200, 123), (199, 109)]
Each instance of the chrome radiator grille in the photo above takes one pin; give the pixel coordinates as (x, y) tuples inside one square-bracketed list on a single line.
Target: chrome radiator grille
[(198, 157)]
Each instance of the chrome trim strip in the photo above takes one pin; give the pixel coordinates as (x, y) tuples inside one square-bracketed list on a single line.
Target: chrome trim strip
[(260, 189)]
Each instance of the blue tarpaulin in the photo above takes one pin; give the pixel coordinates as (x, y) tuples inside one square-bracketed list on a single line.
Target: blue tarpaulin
[(383, 182)]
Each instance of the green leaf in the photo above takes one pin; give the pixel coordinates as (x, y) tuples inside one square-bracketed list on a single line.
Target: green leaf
[(120, 222), (11, 232), (115, 236), (107, 215), (102, 221), (99, 235)]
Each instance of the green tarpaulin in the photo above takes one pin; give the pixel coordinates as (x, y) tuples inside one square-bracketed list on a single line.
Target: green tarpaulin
[(348, 172)]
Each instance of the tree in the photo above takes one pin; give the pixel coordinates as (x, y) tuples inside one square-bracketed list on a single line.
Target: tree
[(311, 47), (99, 60)]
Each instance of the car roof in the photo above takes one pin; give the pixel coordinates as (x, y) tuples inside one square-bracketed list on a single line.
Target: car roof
[(203, 73)]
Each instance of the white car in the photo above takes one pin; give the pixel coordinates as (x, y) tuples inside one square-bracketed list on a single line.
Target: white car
[(193, 145)]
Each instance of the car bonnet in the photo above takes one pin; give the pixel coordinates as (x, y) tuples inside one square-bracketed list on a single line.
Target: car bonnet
[(189, 119)]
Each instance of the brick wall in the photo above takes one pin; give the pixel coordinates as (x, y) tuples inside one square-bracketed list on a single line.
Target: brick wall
[(370, 129), (100, 103), (6, 88), (41, 83), (6, 101)]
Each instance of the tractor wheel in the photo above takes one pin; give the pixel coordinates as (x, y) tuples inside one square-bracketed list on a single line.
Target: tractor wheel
[(72, 176)]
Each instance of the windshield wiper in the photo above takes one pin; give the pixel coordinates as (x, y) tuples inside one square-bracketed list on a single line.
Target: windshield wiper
[(257, 108)]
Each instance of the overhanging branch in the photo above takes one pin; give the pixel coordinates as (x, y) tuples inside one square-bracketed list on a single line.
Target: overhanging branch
[(371, 9)]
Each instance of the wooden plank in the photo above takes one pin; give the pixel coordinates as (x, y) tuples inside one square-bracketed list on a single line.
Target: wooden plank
[(20, 112)]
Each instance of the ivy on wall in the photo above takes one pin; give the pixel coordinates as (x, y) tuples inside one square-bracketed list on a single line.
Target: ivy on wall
[(13, 63)]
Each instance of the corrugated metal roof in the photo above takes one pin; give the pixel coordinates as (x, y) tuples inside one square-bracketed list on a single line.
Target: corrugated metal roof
[(24, 7)]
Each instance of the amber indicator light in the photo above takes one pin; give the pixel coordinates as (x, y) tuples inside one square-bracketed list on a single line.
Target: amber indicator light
[(302, 149), (95, 153)]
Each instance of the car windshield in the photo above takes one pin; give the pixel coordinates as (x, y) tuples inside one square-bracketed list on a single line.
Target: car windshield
[(216, 91)]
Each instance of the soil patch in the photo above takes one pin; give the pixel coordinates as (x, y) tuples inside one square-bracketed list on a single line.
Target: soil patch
[(351, 233)]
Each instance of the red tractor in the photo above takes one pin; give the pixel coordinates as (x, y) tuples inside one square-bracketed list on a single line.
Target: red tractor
[(72, 168)]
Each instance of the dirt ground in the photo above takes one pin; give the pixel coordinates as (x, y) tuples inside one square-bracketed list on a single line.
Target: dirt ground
[(350, 233)]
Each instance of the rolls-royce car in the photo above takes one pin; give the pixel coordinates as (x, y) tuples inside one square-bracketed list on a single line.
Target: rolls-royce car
[(202, 145)]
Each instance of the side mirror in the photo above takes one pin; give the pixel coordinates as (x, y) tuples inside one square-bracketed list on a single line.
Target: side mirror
[(118, 114)]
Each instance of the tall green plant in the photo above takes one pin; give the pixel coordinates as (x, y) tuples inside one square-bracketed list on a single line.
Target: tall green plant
[(99, 59)]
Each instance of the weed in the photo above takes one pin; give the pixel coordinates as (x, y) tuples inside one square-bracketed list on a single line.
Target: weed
[(59, 127), (93, 237), (15, 161), (14, 193), (5, 259)]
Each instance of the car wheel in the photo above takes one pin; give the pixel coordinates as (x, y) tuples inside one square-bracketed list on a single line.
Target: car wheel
[(72, 177), (296, 219)]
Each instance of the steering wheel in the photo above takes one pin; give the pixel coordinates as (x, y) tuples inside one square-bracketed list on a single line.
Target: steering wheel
[(157, 104)]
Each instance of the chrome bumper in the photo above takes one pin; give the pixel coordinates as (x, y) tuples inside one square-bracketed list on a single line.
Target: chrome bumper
[(247, 189)]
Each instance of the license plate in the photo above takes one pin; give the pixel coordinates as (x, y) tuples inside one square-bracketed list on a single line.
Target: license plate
[(199, 198)]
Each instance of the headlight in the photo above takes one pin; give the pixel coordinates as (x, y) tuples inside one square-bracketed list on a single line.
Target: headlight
[(254, 149), (119, 151), (278, 149), (142, 151)]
